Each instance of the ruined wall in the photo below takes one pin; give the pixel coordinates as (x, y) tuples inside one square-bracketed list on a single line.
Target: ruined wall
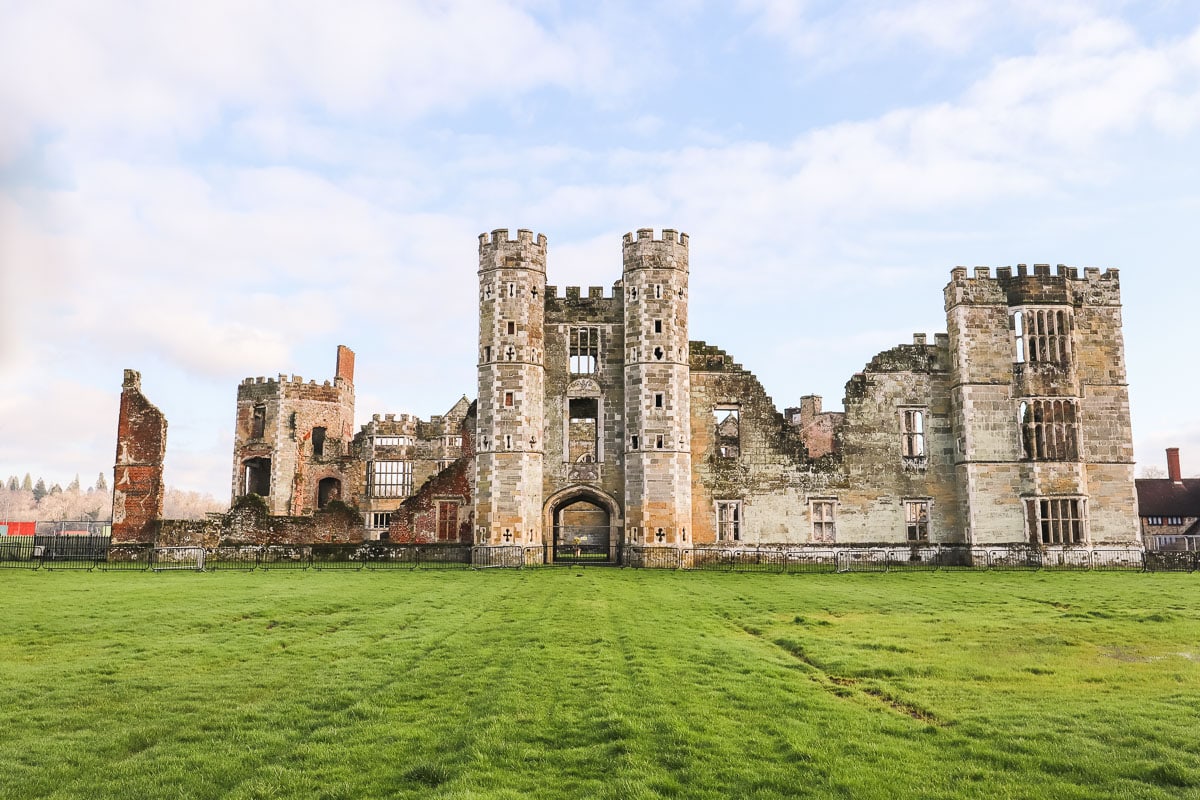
[(818, 429), (247, 524), (768, 475), (881, 477), (138, 471), (417, 518), (274, 428)]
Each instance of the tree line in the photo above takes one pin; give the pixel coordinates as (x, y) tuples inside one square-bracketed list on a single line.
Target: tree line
[(29, 500)]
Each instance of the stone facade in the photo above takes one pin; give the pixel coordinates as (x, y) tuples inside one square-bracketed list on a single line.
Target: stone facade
[(600, 424)]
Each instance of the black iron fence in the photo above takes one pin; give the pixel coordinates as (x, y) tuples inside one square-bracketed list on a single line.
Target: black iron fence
[(86, 552)]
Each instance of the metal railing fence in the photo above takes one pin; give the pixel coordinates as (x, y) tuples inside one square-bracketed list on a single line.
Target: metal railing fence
[(96, 552)]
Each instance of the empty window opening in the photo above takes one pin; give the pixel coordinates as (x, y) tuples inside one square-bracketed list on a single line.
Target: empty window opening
[(584, 350), (512, 290), (391, 478), (727, 427), (487, 292), (658, 353), (533, 293), (328, 489), (393, 441), (258, 476), (658, 400), (658, 326), (633, 442), (823, 521), (582, 429), (512, 327), (447, 521), (318, 441), (508, 400), (658, 291), (1055, 520), (1042, 335), (1018, 326), (1049, 430), (912, 432), (487, 352), (633, 293), (510, 354), (258, 424), (508, 440), (916, 520), (729, 520), (658, 441)]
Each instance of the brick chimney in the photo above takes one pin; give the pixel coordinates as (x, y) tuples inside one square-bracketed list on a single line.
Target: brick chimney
[(1173, 465), (345, 364)]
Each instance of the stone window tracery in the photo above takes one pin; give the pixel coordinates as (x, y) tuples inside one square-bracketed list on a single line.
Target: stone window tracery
[(1049, 429), (1055, 520)]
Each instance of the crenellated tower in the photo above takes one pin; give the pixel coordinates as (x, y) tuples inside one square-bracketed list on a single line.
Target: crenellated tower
[(510, 447), (1041, 406), (658, 460)]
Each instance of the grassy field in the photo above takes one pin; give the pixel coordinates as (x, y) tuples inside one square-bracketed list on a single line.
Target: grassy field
[(599, 683)]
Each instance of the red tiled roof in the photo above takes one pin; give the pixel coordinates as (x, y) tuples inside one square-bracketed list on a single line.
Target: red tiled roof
[(1162, 497)]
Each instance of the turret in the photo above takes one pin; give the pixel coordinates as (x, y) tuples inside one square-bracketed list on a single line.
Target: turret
[(658, 463), (510, 449)]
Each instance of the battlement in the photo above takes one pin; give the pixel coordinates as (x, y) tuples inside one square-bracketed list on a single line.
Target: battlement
[(646, 252), (1040, 285), (669, 235), (500, 237), (1061, 271), (497, 251), (576, 293)]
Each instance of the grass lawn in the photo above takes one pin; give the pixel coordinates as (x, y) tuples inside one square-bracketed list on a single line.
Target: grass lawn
[(599, 683)]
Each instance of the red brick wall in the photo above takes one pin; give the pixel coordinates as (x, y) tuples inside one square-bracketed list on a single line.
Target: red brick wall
[(416, 519), (138, 471)]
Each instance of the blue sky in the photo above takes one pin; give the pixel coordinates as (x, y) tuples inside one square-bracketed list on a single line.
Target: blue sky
[(206, 192)]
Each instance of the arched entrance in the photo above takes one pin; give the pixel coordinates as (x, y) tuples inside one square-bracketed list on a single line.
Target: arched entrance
[(584, 523)]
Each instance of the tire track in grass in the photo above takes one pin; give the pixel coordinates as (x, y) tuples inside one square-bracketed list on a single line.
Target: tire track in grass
[(844, 687)]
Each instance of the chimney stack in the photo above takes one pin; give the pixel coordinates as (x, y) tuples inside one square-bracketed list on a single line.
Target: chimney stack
[(345, 364), (1173, 465)]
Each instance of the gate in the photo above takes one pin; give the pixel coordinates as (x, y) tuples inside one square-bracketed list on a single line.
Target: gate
[(585, 544)]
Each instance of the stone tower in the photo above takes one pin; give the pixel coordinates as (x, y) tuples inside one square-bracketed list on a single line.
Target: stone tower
[(1041, 406), (290, 437), (510, 447), (658, 461)]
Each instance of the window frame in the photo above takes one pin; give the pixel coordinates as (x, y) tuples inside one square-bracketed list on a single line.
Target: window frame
[(919, 526), (729, 520), (391, 478), (914, 425), (823, 525)]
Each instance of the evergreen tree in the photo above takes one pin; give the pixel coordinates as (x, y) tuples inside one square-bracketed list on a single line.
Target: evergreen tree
[(39, 490), (13, 484), (73, 486), (101, 483), (27, 484), (55, 489)]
